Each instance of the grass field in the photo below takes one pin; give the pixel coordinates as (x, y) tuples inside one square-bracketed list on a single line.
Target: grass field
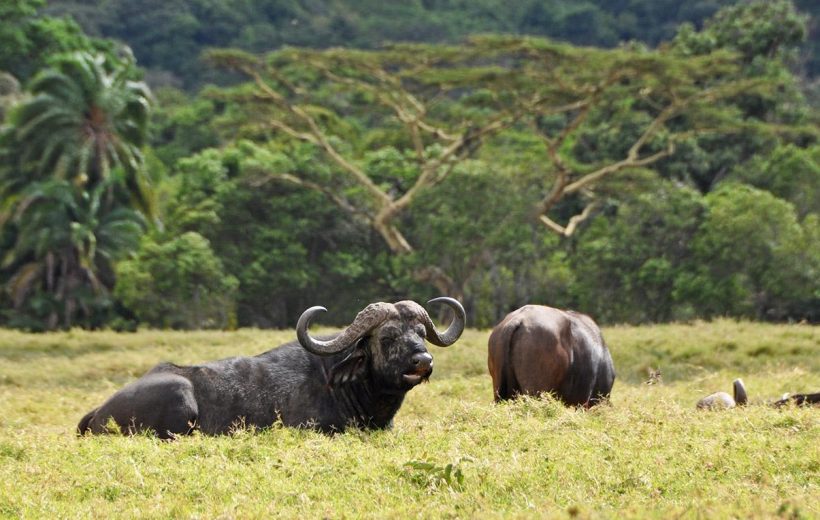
[(452, 453)]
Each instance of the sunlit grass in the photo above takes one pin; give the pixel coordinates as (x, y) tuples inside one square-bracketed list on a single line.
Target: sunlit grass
[(452, 453)]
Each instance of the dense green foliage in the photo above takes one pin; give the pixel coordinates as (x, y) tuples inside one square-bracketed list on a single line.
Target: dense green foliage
[(648, 455), (27, 41), (637, 184), (178, 283)]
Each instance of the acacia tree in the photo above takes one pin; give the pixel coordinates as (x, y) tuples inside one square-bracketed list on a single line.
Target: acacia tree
[(431, 105), (603, 112), (434, 106)]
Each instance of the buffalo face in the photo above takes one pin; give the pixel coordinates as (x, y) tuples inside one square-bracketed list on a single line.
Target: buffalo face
[(399, 356), (389, 340)]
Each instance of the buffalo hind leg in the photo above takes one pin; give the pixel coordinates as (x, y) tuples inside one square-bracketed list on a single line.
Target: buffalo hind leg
[(85, 423), (160, 402), (604, 380)]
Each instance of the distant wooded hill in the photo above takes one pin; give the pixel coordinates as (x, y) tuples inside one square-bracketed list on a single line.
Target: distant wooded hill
[(167, 36)]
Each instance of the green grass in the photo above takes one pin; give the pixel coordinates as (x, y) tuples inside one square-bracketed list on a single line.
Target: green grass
[(452, 453)]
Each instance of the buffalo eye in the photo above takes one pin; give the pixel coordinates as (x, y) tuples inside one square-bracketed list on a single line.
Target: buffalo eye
[(389, 335), (421, 331)]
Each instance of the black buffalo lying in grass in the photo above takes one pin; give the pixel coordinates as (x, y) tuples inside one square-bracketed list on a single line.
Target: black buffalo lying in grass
[(357, 378), (538, 349), (799, 399)]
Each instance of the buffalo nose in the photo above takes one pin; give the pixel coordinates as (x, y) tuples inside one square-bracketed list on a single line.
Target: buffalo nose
[(422, 360)]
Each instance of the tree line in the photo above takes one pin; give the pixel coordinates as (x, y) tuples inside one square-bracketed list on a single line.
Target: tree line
[(168, 36), (636, 184)]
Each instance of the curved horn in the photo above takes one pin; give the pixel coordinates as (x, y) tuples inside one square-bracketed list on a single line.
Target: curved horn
[(368, 318), (740, 392), (453, 332)]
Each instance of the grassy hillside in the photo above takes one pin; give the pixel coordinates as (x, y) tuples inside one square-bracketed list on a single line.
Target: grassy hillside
[(649, 454)]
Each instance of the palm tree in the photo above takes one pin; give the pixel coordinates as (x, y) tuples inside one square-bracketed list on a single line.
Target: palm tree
[(85, 119), (66, 243), (71, 178)]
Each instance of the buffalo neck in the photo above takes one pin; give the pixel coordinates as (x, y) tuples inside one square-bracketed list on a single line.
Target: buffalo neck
[(362, 404)]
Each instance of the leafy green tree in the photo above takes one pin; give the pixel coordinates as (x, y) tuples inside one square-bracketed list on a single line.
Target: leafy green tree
[(313, 98), (182, 125), (28, 40), (475, 226), (178, 283), (789, 172), (757, 30), (392, 125), (752, 257), (603, 116), (628, 261), (73, 189), (289, 247), (765, 35)]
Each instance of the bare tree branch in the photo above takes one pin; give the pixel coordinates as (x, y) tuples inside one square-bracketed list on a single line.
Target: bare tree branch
[(302, 136), (563, 186), (318, 137), (343, 203), (573, 223), (430, 169), (616, 167), (412, 118)]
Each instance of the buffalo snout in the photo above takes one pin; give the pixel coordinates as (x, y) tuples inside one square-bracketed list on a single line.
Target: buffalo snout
[(421, 366), (422, 361)]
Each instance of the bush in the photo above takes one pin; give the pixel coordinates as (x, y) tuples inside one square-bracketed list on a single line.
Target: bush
[(177, 283)]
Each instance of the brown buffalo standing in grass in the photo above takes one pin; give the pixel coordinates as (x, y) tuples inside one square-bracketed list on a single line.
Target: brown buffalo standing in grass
[(538, 349)]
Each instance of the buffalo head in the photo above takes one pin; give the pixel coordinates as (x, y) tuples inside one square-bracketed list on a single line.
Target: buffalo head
[(385, 340)]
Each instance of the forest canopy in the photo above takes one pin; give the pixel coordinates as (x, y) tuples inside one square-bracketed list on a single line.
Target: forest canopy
[(649, 161)]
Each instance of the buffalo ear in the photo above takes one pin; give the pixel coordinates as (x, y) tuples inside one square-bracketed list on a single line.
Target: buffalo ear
[(351, 368)]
